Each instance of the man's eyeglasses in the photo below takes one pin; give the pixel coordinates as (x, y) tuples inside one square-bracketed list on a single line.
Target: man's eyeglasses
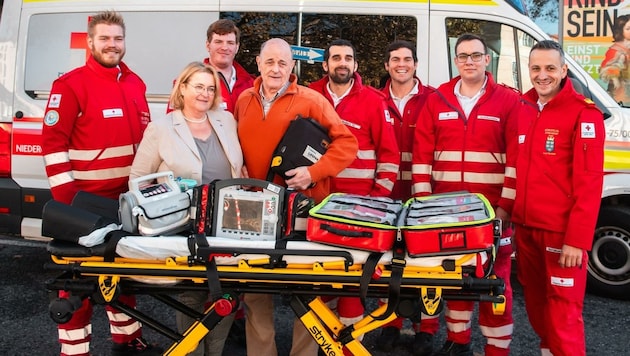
[(200, 89), (463, 57)]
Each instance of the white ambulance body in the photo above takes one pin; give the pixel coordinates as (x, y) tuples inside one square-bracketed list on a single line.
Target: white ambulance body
[(42, 39)]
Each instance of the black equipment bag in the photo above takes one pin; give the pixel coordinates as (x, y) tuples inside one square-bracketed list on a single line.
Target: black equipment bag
[(303, 144)]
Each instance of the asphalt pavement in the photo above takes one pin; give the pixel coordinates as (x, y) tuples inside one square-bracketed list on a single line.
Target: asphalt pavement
[(26, 328)]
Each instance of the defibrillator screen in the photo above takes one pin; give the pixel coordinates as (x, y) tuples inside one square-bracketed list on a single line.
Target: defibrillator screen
[(247, 215)]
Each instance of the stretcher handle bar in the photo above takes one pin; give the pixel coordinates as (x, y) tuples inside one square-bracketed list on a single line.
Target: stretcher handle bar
[(474, 297), (72, 285), (284, 288), (281, 279), (345, 233)]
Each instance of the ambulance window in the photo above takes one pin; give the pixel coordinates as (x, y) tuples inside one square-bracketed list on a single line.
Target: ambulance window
[(507, 47), (315, 31), (525, 44), (320, 29), (256, 28), (56, 43)]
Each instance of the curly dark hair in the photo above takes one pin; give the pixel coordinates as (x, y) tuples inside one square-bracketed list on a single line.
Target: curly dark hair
[(618, 26)]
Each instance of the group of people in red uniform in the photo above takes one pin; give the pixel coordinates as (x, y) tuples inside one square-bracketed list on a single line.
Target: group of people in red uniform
[(537, 157)]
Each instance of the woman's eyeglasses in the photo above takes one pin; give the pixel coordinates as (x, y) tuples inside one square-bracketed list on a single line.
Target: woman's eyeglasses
[(201, 89)]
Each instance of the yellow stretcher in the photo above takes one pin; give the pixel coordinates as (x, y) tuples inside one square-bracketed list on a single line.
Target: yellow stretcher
[(410, 284)]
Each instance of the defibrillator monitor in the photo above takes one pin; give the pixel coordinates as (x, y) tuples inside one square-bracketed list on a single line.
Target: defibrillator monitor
[(247, 209)]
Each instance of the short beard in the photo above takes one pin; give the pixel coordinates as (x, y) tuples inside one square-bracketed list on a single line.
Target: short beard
[(340, 80), (99, 58)]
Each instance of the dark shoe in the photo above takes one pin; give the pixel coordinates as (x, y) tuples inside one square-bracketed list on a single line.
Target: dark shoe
[(388, 339), (454, 349), (137, 346), (422, 344)]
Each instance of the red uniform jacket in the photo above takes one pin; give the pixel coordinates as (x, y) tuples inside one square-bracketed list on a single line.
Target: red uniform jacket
[(363, 111), (404, 127), (559, 166), (475, 154), (94, 121), (244, 80)]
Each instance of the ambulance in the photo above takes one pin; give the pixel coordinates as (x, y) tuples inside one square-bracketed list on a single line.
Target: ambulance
[(42, 39)]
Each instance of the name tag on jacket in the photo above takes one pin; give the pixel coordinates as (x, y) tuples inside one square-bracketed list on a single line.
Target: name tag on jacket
[(109, 113), (449, 115)]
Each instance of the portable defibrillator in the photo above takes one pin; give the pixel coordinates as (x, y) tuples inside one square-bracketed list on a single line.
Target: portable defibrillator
[(151, 209)]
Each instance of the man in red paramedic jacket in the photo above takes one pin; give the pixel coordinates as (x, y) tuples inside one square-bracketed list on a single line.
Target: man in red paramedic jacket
[(223, 40), (94, 120), (465, 140), (405, 96), (558, 193), (362, 109)]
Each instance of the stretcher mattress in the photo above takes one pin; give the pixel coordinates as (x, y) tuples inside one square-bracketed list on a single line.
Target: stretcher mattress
[(163, 247)]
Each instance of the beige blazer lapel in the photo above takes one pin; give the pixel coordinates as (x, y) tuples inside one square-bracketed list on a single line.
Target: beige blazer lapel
[(181, 128)]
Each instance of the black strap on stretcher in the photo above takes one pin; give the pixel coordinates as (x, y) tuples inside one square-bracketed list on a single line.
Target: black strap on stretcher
[(112, 239), (397, 266), (198, 240)]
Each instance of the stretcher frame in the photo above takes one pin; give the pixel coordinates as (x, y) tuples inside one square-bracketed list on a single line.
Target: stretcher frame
[(420, 288)]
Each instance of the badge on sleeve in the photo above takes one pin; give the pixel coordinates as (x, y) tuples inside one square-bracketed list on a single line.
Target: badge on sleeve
[(587, 130), (51, 118), (54, 101)]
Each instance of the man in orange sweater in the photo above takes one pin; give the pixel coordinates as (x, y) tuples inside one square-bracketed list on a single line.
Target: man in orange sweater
[(263, 114)]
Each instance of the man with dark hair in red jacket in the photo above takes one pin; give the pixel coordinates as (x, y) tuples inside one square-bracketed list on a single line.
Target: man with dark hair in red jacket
[(558, 192), (405, 96), (465, 140), (222, 43), (362, 109)]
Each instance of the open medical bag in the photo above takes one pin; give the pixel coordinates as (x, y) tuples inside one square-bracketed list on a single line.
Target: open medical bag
[(444, 224), (360, 222), (153, 209)]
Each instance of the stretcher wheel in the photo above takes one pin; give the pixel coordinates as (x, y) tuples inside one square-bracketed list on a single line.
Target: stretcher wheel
[(61, 309)]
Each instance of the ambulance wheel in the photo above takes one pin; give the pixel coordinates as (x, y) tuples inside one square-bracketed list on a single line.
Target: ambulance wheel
[(609, 259), (61, 309)]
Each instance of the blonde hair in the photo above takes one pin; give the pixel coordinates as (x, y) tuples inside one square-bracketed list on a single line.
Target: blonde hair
[(177, 98), (108, 17)]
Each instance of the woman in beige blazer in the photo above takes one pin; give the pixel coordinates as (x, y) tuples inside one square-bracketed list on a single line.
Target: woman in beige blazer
[(197, 141)]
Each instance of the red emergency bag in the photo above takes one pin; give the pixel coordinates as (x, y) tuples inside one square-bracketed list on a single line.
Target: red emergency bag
[(447, 224), (359, 222)]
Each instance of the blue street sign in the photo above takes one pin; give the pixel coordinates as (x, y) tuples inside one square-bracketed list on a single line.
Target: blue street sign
[(308, 54)]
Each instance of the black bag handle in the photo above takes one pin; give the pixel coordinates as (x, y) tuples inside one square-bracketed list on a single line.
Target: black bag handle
[(345, 233)]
